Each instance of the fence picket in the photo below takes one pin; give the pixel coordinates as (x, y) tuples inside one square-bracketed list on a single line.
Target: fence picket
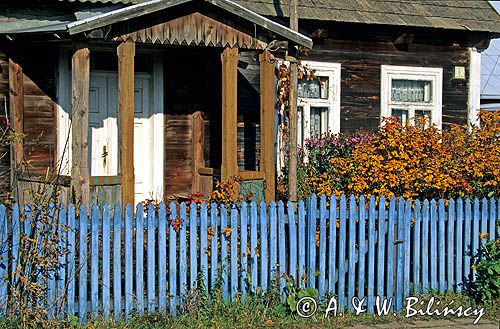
[(117, 273), (263, 246), (223, 252), (371, 253), (381, 248), (493, 210), (407, 250), (253, 247), (234, 252), (172, 259), (128, 261), (82, 264), (484, 221), (193, 244), (342, 253), (51, 274), (351, 274), (302, 242), (399, 226), (244, 249), (214, 267), (61, 274), (425, 246), (416, 246), (162, 258), (322, 245), (151, 266), (203, 245), (139, 258), (459, 245), (311, 240), (94, 262), (332, 245), (433, 237), (281, 246), (361, 248), (16, 235), (441, 245), (4, 258), (475, 231), (450, 245), (467, 239), (106, 256), (273, 242), (71, 260), (292, 240), (183, 252)]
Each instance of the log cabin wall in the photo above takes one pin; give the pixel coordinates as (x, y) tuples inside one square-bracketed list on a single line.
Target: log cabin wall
[(362, 49)]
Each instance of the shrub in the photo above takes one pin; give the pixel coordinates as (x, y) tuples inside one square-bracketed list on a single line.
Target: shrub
[(487, 266)]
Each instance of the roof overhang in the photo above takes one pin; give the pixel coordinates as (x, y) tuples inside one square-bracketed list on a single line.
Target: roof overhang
[(153, 6)]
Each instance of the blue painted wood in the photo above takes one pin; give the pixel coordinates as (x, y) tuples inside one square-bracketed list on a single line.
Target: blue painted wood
[(83, 266), (399, 252), (311, 240), (254, 261), (139, 258), (322, 245), (351, 274), (223, 252), (433, 239), (459, 245), (492, 220), (234, 252), (393, 256), (441, 245), (214, 251), (129, 295), (61, 275), (484, 220), (381, 247), (106, 264), (203, 245), (332, 245), (407, 249), (450, 256), (467, 239), (371, 254), (50, 276), (244, 249), (425, 246), (71, 260), (4, 258), (292, 240), (117, 274), (94, 262), (302, 243), (281, 249), (361, 247), (342, 253), (151, 258), (16, 234), (264, 270), (273, 242), (183, 268), (475, 231), (172, 260), (417, 217), (193, 244), (162, 258)]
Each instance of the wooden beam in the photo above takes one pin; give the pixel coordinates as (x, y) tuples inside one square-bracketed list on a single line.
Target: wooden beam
[(126, 54), (229, 165), (198, 156), (267, 87), (80, 72), (16, 88), (252, 175)]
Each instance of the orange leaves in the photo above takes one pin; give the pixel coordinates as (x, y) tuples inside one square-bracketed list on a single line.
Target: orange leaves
[(226, 191)]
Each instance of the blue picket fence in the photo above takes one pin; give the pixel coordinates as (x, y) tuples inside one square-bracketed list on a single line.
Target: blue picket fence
[(149, 259)]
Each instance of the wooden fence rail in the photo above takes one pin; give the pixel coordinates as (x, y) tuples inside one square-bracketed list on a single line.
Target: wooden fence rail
[(149, 259)]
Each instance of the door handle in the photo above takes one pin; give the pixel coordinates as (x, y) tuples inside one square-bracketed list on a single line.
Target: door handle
[(104, 154)]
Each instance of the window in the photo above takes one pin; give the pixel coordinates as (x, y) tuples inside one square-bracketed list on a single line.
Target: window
[(411, 92), (319, 101)]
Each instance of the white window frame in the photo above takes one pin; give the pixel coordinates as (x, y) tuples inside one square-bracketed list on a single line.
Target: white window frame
[(432, 74), (330, 120)]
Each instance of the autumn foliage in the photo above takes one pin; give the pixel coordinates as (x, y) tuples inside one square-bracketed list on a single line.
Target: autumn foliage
[(408, 161)]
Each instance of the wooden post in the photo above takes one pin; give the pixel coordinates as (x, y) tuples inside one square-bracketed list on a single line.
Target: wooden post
[(16, 109), (198, 156), (80, 73), (267, 164), (292, 128), (229, 112), (126, 54)]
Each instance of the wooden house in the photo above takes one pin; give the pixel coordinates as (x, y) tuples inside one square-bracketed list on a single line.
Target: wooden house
[(185, 88), (134, 102)]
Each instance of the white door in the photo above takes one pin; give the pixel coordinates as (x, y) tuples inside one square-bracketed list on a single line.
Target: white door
[(103, 131)]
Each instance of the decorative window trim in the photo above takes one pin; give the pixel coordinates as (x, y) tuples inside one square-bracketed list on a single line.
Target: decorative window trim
[(433, 74), (331, 118)]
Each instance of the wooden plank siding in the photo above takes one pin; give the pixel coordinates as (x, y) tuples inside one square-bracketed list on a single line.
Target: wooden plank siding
[(4, 110)]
